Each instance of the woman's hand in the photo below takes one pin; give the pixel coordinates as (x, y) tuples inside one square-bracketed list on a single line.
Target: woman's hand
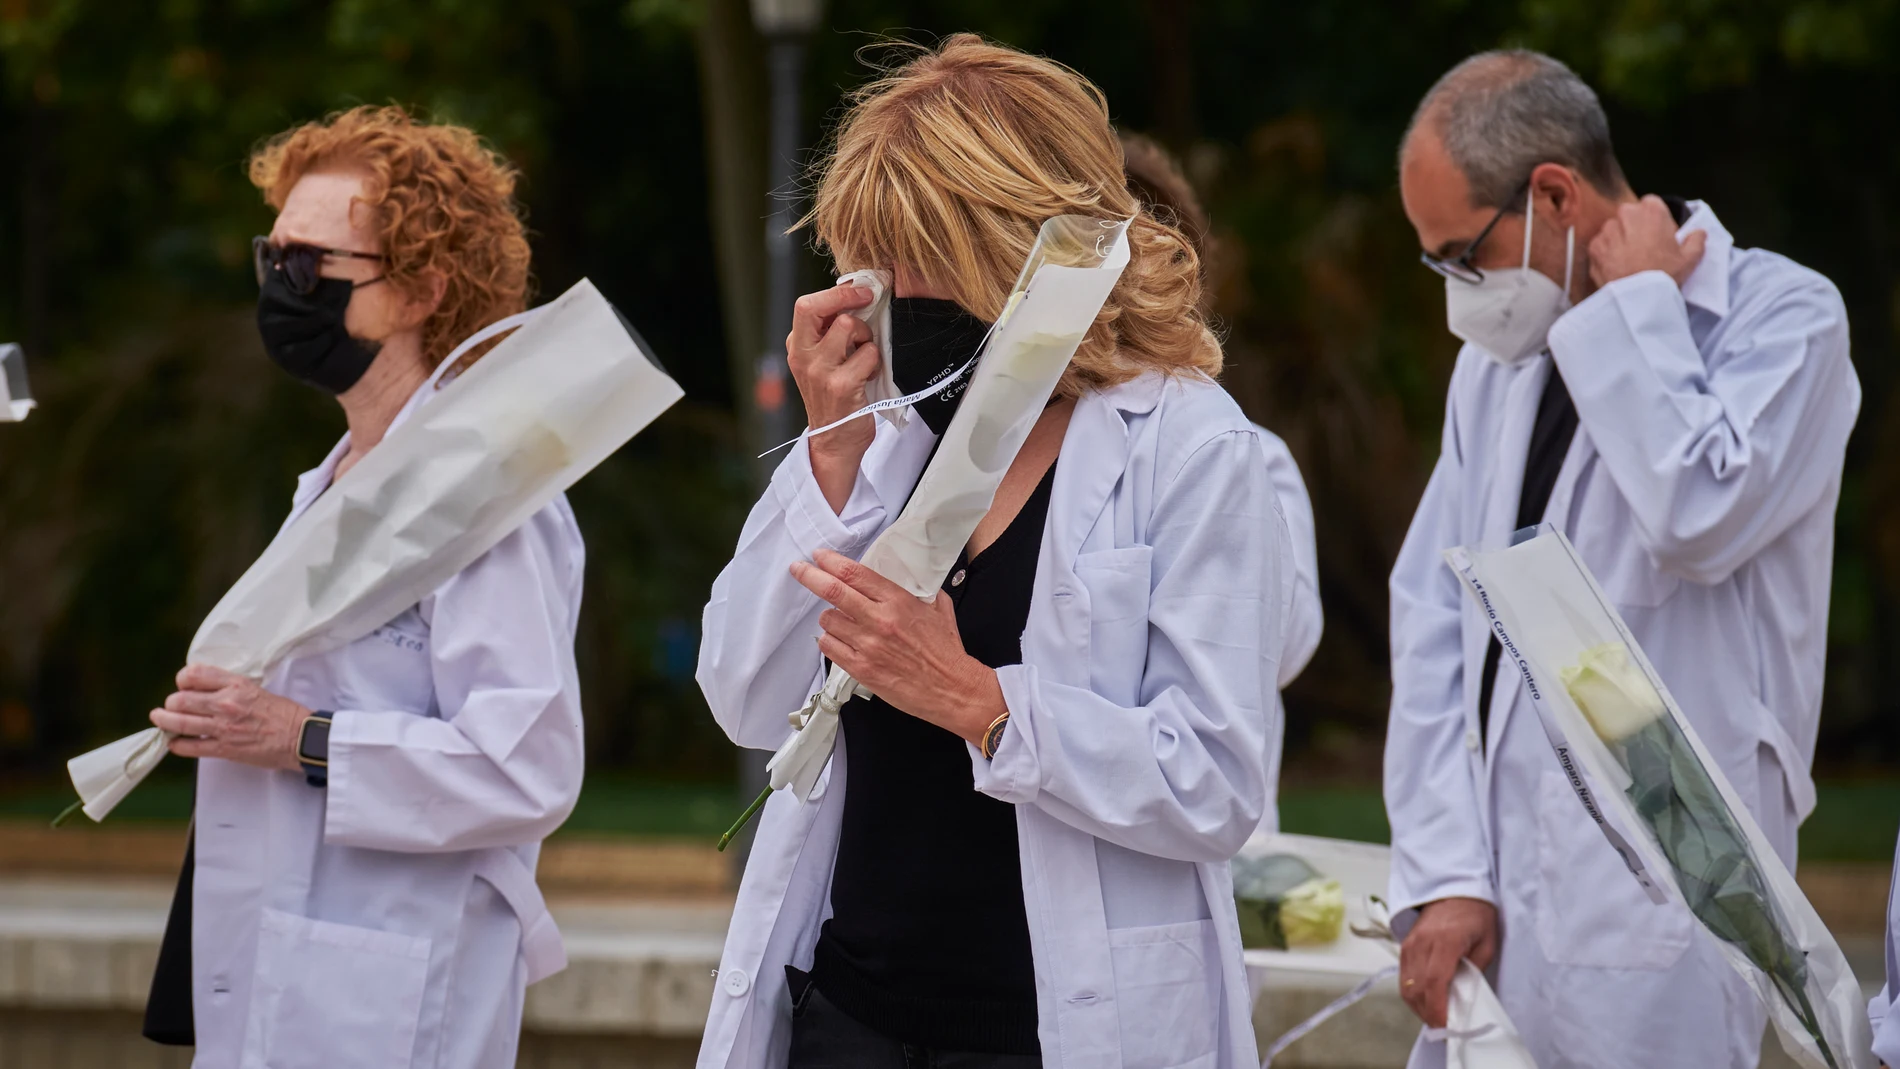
[(832, 359), (905, 649), (216, 713)]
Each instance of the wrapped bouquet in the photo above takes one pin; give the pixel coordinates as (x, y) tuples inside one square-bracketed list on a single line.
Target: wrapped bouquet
[(1613, 723), (477, 458)]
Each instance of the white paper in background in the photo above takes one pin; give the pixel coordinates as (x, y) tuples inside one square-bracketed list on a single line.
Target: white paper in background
[(1061, 289), (16, 397), (1544, 602), (1478, 1033), (468, 467)]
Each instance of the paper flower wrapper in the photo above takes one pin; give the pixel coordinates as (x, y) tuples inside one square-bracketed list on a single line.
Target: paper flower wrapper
[(1665, 805), (1063, 285), (471, 463), (1478, 1033)]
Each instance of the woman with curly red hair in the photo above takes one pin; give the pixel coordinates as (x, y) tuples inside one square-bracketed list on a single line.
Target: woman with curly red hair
[(369, 817)]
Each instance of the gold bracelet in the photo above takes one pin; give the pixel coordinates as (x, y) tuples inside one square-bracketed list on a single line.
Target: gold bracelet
[(993, 736)]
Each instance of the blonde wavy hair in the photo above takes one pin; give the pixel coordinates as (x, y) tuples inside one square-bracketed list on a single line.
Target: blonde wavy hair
[(949, 162), (444, 204)]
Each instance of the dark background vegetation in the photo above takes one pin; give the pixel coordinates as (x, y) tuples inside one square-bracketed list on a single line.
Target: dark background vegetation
[(164, 453)]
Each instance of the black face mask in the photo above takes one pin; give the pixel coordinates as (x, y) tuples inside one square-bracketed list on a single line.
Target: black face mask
[(304, 333), (930, 339)]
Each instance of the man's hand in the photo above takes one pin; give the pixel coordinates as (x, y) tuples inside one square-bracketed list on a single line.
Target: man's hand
[(216, 713), (1642, 237), (1448, 930)]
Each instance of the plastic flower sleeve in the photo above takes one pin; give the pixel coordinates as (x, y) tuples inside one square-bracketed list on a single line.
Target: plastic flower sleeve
[(1663, 802), (16, 397), (469, 465), (1066, 279)]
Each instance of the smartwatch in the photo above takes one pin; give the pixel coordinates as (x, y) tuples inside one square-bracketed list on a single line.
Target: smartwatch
[(313, 748)]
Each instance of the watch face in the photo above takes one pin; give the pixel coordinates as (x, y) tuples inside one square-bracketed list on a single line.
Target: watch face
[(313, 747)]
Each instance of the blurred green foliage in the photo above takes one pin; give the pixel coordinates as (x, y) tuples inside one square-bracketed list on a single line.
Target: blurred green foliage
[(164, 453)]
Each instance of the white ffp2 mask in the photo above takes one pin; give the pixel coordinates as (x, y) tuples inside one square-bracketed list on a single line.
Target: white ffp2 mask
[(1510, 311)]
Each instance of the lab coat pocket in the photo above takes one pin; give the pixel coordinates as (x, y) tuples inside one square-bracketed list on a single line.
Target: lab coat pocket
[(389, 669), (329, 995), (1168, 990), (1118, 587), (1590, 911)]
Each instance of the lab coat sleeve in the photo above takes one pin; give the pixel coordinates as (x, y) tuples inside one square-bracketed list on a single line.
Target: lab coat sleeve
[(759, 634), (1431, 792), (1183, 775), (1304, 617), (1717, 456), (502, 765)]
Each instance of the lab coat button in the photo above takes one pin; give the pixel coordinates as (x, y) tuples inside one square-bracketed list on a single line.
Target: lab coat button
[(737, 982), (1472, 741)]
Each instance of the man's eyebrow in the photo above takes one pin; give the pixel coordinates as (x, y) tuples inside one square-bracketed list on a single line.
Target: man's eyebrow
[(1452, 249)]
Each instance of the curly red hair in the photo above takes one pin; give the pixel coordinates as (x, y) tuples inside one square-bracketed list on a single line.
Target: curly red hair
[(443, 201)]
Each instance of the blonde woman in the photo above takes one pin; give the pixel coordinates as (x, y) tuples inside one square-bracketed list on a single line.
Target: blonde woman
[(1019, 852)]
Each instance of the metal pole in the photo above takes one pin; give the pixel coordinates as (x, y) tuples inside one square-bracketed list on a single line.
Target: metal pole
[(773, 386)]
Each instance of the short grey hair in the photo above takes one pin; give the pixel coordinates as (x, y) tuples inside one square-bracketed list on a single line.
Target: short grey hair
[(1502, 113)]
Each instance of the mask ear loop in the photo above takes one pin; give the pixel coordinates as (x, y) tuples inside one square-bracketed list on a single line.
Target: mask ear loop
[(1530, 216), (1570, 260)]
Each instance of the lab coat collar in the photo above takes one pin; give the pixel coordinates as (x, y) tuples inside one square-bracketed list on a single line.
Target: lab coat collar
[(1708, 285), (1099, 428)]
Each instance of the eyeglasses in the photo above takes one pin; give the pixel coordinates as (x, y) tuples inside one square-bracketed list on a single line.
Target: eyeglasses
[(1461, 267), (301, 263)]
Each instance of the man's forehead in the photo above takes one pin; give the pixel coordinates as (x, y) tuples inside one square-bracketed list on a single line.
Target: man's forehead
[(1437, 195)]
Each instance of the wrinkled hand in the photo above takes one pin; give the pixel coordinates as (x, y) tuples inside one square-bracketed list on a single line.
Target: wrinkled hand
[(905, 649), (216, 713), (1448, 930), (1642, 237)]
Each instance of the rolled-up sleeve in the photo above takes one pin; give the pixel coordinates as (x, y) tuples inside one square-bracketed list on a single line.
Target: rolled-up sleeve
[(1181, 775), (502, 765), (1717, 453)]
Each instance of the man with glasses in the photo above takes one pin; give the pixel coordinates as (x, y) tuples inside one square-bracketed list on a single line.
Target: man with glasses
[(1679, 407)]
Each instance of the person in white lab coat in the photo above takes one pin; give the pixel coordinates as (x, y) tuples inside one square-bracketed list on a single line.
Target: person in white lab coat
[(1677, 405), (1019, 853), (1155, 176), (368, 819)]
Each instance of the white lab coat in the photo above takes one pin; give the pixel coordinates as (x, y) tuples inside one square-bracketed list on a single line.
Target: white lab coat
[(1700, 489), (1881, 1012), (1299, 579), (1139, 720), (392, 918)]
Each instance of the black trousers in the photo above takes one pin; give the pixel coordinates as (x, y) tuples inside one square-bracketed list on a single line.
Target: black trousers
[(824, 1037)]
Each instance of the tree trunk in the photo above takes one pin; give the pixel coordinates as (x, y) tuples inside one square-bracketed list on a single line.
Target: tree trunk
[(732, 86)]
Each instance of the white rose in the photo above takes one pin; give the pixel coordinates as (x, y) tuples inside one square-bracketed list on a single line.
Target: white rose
[(1613, 693)]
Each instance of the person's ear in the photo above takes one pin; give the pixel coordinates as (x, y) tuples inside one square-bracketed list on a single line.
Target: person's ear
[(418, 306), (1559, 194)]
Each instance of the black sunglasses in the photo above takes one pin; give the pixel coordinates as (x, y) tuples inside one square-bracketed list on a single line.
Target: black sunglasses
[(1460, 267), (301, 263)]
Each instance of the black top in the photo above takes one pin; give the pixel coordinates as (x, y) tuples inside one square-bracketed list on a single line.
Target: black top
[(928, 941), (1555, 426)]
